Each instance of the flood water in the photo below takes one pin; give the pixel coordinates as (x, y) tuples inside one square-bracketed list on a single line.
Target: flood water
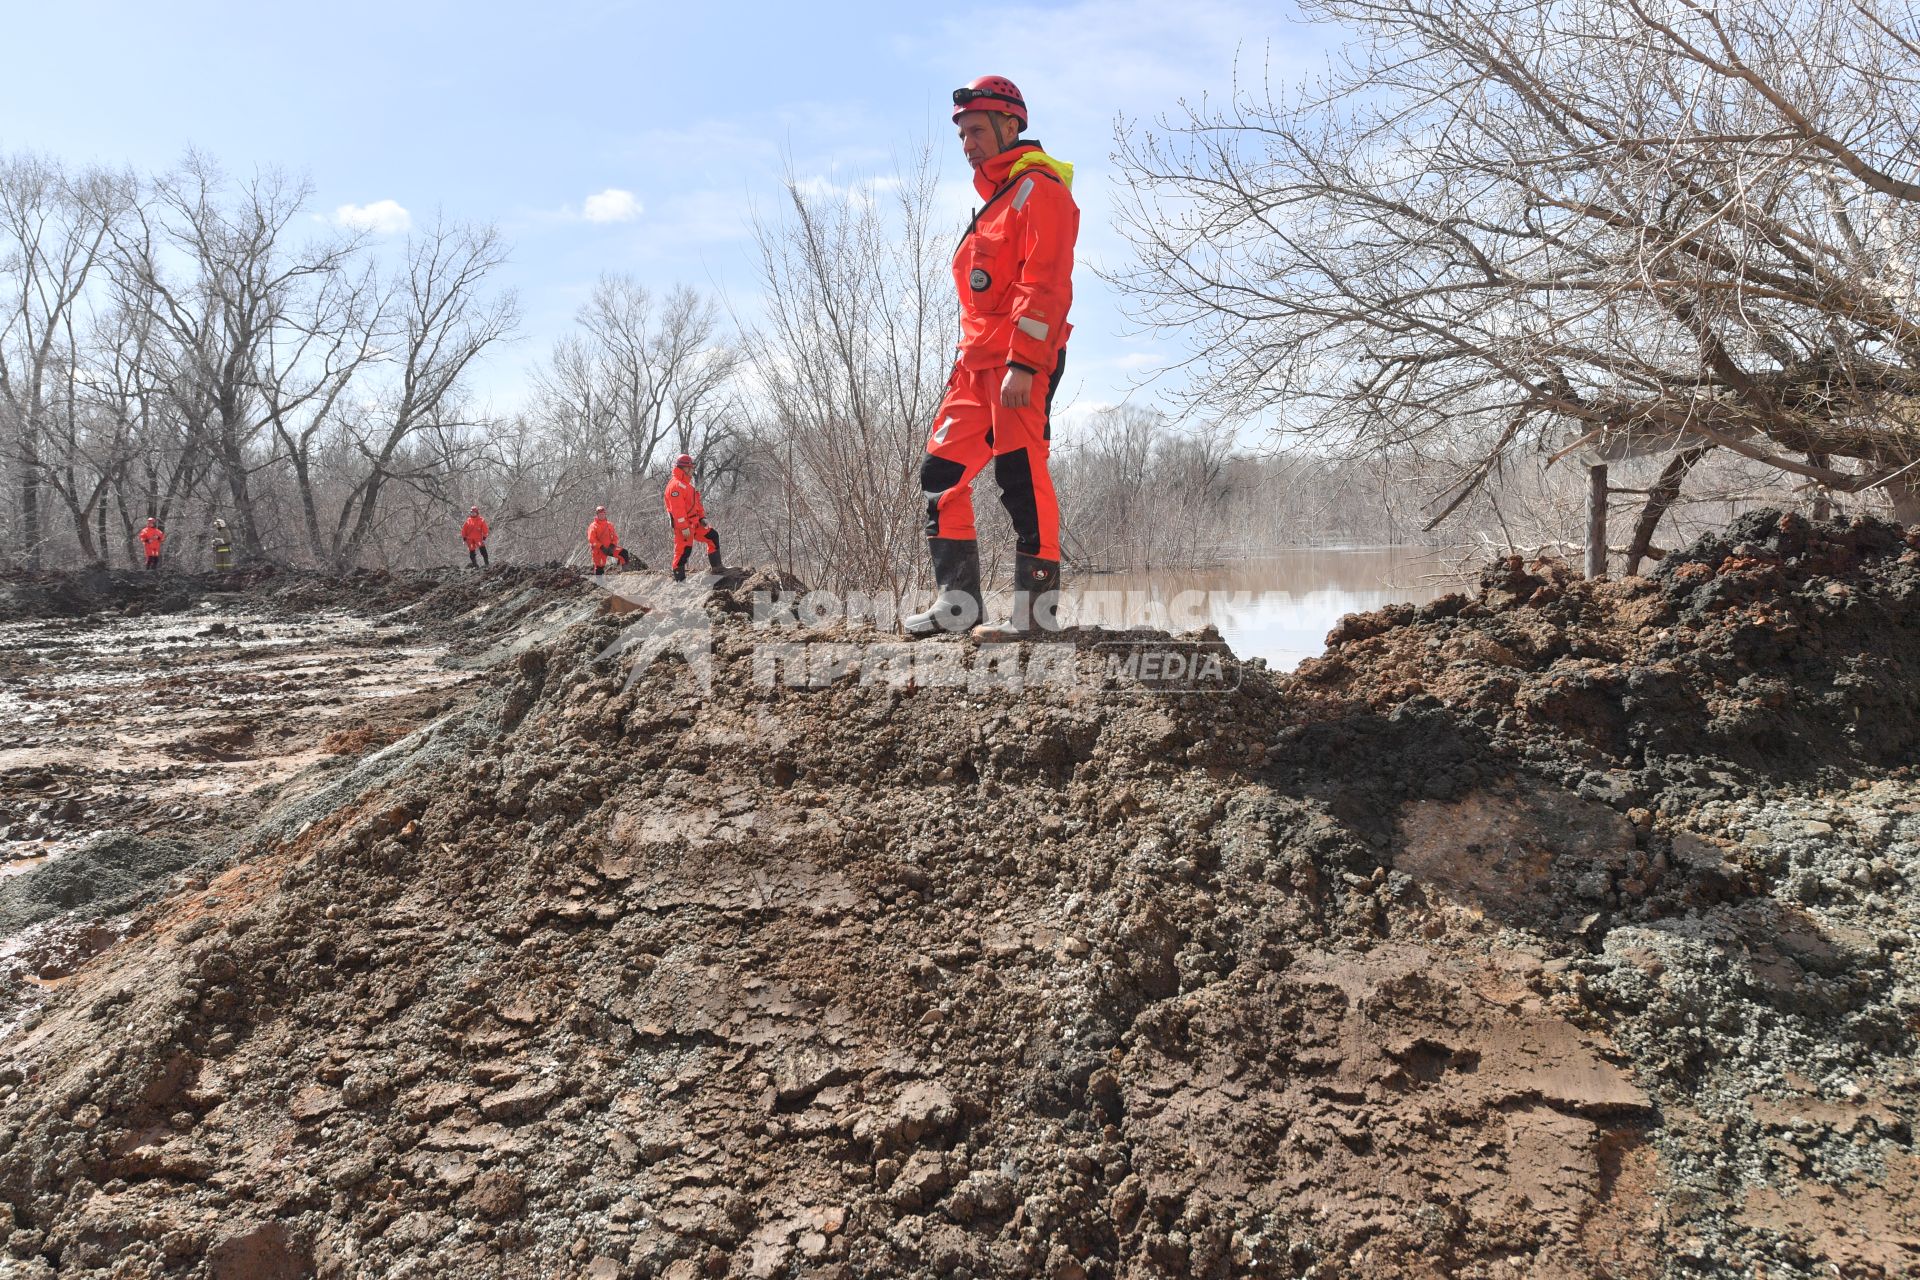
[(1281, 606)]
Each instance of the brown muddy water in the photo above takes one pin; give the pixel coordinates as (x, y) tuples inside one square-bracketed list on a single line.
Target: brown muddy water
[(1278, 607)]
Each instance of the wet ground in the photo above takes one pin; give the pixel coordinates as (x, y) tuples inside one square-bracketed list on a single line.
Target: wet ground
[(148, 722), (178, 724)]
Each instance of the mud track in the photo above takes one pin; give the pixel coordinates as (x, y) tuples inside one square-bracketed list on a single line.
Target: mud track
[(146, 721), (1564, 930)]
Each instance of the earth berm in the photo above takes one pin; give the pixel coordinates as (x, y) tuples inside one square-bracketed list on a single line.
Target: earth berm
[(1564, 930)]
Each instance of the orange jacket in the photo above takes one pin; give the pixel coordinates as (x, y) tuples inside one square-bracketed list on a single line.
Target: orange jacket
[(473, 532), (600, 534), (684, 508), (151, 537), (1014, 267)]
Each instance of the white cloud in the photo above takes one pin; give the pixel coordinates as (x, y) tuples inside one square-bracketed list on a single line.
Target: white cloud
[(612, 205), (383, 217)]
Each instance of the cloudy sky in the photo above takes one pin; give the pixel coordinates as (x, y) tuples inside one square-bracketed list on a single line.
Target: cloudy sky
[(621, 135)]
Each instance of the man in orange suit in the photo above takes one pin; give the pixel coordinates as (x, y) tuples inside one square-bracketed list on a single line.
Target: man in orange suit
[(1014, 273), (151, 539), (474, 534), (604, 542), (689, 516)]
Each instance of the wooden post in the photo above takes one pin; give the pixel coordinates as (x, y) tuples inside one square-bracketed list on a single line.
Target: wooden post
[(1597, 520)]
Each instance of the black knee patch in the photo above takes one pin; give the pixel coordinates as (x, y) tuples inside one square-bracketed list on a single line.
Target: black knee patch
[(713, 542), (937, 475), (1014, 471)]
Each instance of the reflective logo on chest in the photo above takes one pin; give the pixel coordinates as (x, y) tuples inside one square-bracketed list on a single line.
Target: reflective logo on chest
[(979, 280)]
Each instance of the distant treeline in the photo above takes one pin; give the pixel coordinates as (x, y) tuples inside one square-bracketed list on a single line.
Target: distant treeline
[(190, 346)]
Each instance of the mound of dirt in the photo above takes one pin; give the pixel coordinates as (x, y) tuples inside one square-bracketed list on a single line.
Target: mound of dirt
[(1779, 648), (431, 598), (699, 947)]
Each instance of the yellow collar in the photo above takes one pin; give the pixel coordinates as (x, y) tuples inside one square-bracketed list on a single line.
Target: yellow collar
[(1037, 158)]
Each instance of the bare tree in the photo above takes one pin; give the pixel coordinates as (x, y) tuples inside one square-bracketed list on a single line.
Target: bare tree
[(53, 234), (93, 437), (638, 379), (1103, 470), (852, 359), (1143, 492), (226, 288), (1649, 227), (424, 337), (329, 333)]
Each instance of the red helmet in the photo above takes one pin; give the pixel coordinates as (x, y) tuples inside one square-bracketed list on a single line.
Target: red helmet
[(474, 510), (991, 93), (599, 511), (685, 460)]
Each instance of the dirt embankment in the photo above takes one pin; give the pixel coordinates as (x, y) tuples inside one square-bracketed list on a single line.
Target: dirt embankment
[(1777, 649), (1451, 956)]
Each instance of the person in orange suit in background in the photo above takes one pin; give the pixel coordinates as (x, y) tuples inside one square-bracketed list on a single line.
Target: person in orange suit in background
[(604, 542), (151, 539), (474, 534), (689, 516)]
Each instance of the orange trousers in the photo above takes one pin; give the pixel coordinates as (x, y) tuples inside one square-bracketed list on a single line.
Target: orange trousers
[(973, 428)]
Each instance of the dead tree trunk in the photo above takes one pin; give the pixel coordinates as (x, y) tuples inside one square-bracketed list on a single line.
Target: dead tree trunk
[(1665, 490), (1822, 496), (1905, 492), (1597, 520)]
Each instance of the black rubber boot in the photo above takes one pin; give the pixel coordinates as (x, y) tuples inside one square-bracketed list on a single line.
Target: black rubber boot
[(486, 560), (956, 572), (1036, 602)]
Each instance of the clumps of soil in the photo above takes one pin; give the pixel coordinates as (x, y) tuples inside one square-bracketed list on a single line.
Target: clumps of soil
[(360, 739), (441, 602), (217, 742), (1780, 648), (651, 963)]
